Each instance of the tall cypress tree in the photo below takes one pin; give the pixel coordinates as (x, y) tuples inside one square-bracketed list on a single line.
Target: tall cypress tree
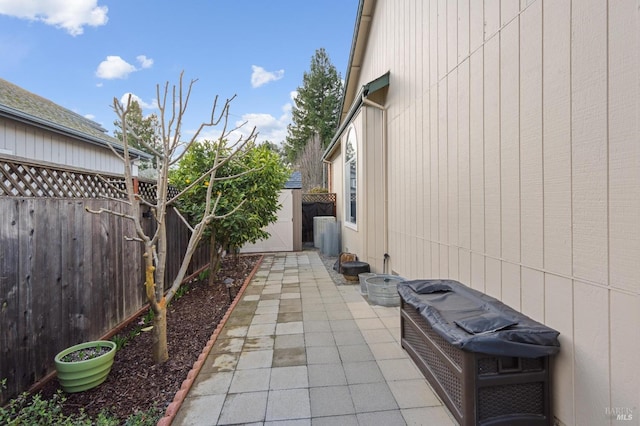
[(316, 108)]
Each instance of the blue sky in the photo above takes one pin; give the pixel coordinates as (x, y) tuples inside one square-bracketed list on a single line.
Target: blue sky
[(82, 53)]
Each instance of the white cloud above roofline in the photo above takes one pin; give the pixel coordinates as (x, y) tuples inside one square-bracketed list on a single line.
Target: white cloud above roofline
[(72, 16), (114, 67), (269, 128), (144, 61), (143, 105), (260, 76)]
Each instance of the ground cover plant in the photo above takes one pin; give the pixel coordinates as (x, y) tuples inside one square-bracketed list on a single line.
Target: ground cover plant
[(137, 391)]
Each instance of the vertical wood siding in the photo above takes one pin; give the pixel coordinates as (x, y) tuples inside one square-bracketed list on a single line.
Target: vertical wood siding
[(514, 167), (39, 145)]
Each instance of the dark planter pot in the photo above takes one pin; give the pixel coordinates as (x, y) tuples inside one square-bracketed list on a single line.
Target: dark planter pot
[(78, 376)]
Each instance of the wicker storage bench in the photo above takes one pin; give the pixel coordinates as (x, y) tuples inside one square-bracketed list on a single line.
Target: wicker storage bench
[(484, 378)]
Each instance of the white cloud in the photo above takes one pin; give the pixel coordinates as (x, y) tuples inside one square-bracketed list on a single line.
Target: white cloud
[(90, 116), (260, 76), (144, 61), (115, 67), (269, 128), (144, 105), (71, 15)]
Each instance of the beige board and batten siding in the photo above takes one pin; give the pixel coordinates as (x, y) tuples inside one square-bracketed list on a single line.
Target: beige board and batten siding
[(371, 190), (514, 167)]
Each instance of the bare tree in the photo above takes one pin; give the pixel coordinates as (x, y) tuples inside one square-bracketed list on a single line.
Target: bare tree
[(310, 163), (172, 104)]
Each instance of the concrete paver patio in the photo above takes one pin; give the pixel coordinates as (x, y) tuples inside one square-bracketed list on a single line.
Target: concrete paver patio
[(300, 350)]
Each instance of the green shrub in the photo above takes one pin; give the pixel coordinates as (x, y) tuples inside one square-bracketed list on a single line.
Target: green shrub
[(120, 341), (27, 410), (145, 418), (318, 190), (33, 410)]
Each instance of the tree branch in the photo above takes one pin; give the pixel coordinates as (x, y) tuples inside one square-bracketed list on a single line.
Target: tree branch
[(113, 212)]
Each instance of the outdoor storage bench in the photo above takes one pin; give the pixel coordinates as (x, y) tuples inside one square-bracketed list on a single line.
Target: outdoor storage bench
[(487, 362)]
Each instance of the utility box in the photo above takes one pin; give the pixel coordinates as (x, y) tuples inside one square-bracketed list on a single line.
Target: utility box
[(320, 225), (487, 362)]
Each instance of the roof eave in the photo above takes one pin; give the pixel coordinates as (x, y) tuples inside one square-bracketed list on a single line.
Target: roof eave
[(352, 95), (358, 44), (365, 91)]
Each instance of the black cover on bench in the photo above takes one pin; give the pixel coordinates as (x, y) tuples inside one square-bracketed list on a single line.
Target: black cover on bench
[(475, 322)]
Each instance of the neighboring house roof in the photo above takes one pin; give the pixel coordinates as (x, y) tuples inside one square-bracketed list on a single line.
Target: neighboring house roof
[(294, 182), (19, 104)]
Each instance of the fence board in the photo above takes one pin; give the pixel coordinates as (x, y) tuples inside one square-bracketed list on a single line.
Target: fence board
[(83, 298), (9, 308), (25, 296), (68, 262), (114, 269), (45, 277)]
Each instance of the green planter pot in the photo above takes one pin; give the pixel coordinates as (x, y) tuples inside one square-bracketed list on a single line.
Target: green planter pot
[(78, 376)]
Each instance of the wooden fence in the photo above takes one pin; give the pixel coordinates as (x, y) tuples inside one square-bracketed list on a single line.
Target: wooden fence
[(68, 276)]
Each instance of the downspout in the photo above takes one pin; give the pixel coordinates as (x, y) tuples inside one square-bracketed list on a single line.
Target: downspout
[(385, 182)]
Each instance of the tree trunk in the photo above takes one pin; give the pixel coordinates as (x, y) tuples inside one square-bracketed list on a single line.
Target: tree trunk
[(236, 256), (159, 333), (160, 349), (213, 258)]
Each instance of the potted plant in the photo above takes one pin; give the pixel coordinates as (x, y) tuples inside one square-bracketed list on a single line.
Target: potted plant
[(84, 366)]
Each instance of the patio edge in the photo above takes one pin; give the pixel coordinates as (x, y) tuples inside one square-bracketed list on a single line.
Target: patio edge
[(180, 395)]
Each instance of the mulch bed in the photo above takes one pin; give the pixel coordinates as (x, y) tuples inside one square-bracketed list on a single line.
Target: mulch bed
[(135, 383)]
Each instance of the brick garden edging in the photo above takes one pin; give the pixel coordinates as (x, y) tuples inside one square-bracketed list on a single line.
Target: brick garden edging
[(180, 395)]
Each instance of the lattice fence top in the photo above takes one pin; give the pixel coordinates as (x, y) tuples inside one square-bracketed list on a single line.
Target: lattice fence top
[(37, 180), (319, 198), (147, 189)]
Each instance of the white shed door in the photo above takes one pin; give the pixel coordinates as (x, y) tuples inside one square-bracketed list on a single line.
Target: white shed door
[(281, 231)]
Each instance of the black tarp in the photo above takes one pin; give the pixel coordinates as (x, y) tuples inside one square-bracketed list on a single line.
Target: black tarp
[(476, 322)]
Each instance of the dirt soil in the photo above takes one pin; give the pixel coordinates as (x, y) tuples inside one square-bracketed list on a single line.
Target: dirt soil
[(135, 382)]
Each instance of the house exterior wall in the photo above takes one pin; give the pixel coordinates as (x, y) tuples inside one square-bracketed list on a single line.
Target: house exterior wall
[(351, 237), (36, 144), (514, 167), (372, 189), (366, 239), (336, 184)]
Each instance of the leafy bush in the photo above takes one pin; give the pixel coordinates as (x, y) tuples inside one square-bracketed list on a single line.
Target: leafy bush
[(318, 190), (145, 418), (27, 410), (251, 179), (33, 410), (120, 341)]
